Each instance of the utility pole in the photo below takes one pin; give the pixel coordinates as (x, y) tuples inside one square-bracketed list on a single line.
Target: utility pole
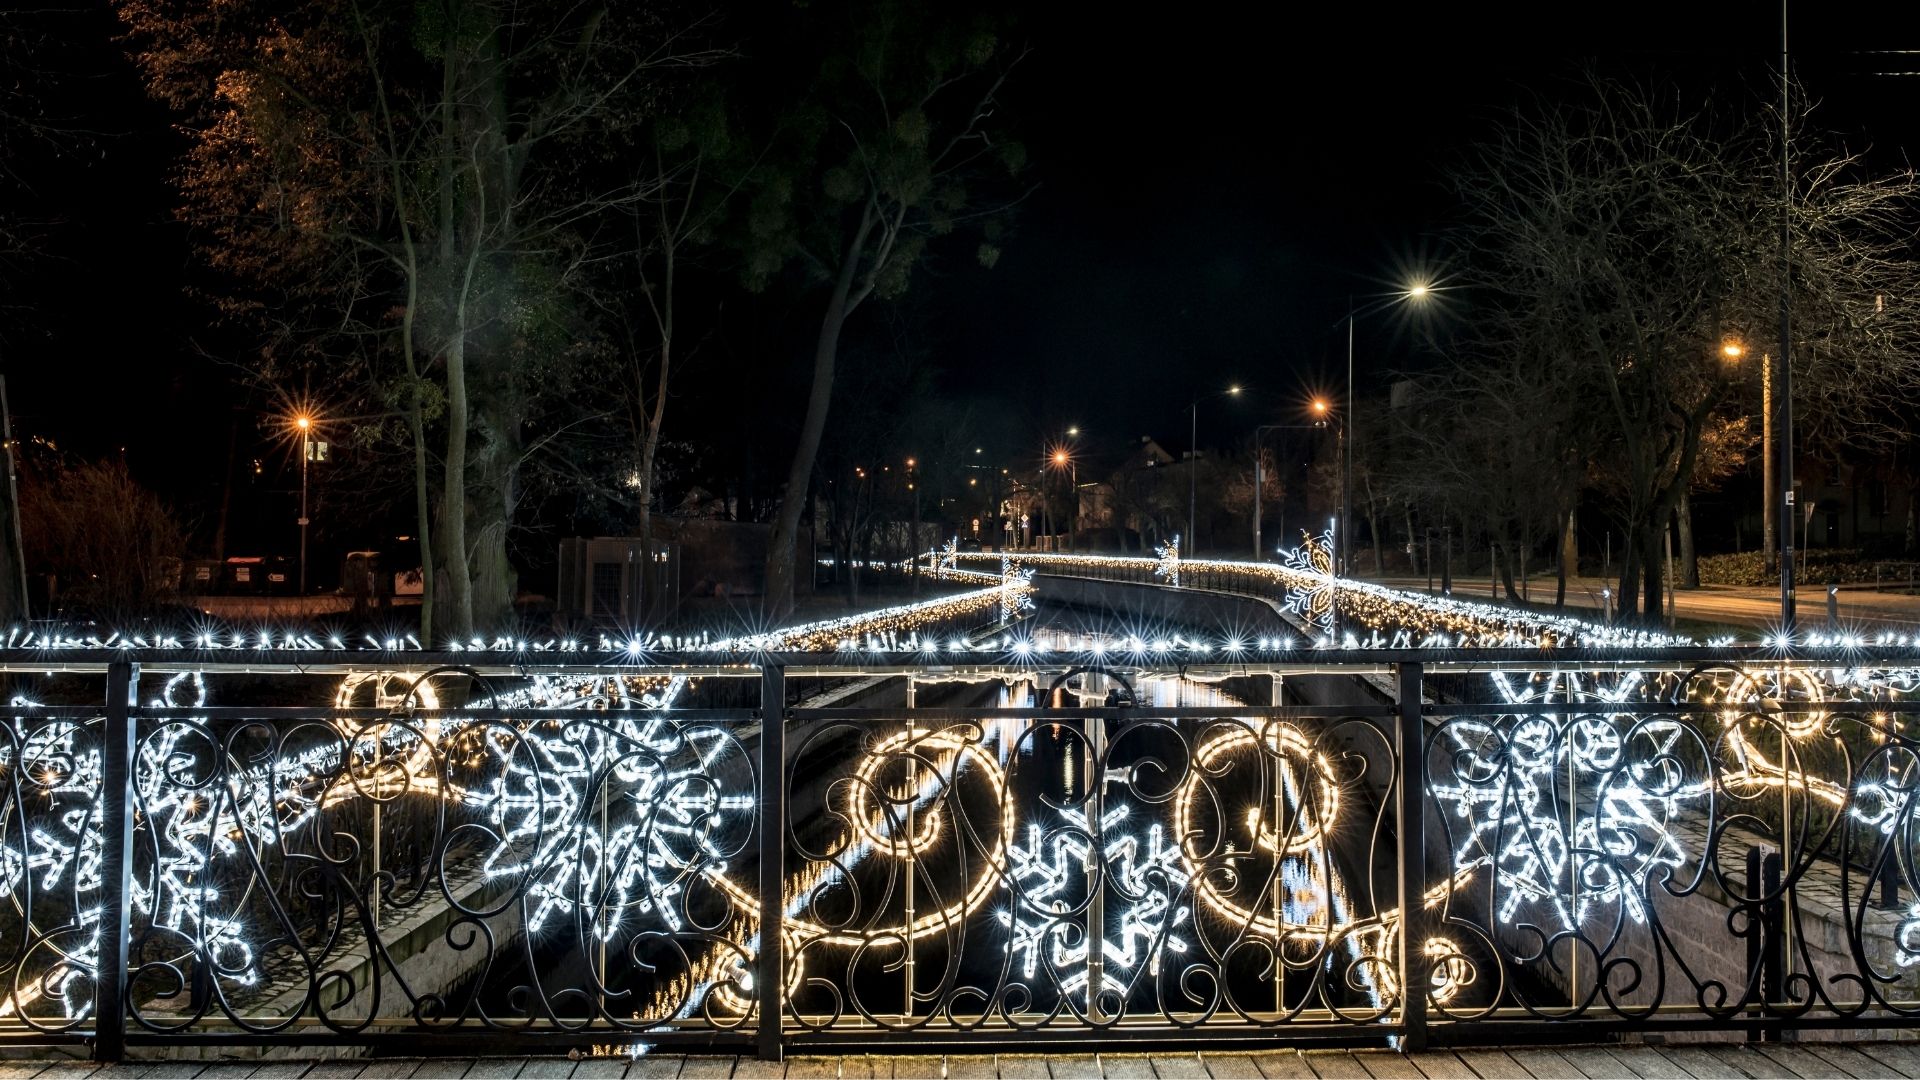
[(1346, 462), (1786, 341)]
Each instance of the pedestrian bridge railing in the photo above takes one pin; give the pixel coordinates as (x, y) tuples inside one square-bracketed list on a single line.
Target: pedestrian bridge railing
[(454, 853)]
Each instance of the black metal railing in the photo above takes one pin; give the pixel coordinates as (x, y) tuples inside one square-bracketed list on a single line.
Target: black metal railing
[(984, 853)]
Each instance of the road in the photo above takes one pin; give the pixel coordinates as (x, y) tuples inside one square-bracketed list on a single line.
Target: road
[(1731, 605)]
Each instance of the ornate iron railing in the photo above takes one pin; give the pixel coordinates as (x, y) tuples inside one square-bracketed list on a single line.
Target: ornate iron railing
[(788, 854)]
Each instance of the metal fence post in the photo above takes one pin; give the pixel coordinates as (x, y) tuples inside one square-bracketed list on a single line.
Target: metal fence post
[(1773, 919), (116, 863), (1410, 743), (771, 963)]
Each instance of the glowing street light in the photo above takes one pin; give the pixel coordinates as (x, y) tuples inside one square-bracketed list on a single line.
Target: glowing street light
[(1419, 293), (1193, 462), (304, 424), (1062, 459), (1732, 350)]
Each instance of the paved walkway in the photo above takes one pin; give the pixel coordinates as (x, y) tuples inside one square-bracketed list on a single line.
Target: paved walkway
[(1704, 1061), (1733, 605)]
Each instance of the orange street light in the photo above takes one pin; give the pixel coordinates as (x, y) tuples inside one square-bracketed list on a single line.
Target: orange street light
[(1732, 350)]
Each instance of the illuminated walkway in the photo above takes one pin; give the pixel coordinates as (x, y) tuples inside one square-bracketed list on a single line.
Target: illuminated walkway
[(1734, 605), (1735, 1061)]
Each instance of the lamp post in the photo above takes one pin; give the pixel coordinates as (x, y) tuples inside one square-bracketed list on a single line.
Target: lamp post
[(1193, 464), (305, 424), (1418, 292), (1259, 470), (1063, 459), (913, 542)]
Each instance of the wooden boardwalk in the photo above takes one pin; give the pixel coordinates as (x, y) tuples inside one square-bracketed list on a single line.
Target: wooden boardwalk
[(1700, 1061)]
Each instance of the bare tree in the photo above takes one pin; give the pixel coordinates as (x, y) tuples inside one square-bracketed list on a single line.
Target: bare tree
[(1629, 238), (416, 178), (110, 546), (886, 155)]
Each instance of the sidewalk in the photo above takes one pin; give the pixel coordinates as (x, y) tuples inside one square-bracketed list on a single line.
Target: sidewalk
[(1733, 605)]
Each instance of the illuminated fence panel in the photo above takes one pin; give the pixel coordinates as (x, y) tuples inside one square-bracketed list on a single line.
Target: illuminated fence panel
[(1080, 851), (1693, 848), (556, 861), (50, 861), (1074, 871)]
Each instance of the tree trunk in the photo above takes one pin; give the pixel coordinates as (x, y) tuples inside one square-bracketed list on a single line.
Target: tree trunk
[(417, 431), (1689, 565), (1373, 528), (494, 465), (1559, 577), (453, 498), (1420, 566), (1652, 544), (778, 602), (1504, 551), (651, 421), (1627, 597), (226, 491), (1911, 542)]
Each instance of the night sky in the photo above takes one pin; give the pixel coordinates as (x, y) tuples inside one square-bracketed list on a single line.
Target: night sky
[(1213, 184)]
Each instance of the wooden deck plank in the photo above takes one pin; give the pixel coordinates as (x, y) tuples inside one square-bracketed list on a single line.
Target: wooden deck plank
[(1072, 1066), (1387, 1065), (652, 1067), (496, 1069), (1552, 1065), (1022, 1066), (1850, 1061), (811, 1067), (217, 1070), (1282, 1065), (1647, 1062), (912, 1066), (1748, 1062), (1230, 1066), (1903, 1058), (1125, 1066), (1696, 1061), (706, 1067), (338, 1069), (1491, 1063), (754, 1069), (1442, 1065), (970, 1067), (1178, 1066), (289, 1069), (440, 1068), (1801, 1062), (615, 1068), (546, 1068), (1335, 1065)]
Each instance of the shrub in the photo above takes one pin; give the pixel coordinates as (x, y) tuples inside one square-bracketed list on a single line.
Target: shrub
[(1818, 566)]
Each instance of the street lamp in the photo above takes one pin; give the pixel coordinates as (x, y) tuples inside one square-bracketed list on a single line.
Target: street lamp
[(1259, 470), (1418, 292), (305, 425), (1063, 459), (1193, 463)]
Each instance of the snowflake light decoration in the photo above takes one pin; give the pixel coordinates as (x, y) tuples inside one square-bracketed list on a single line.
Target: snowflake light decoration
[(1168, 566), (1311, 588)]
